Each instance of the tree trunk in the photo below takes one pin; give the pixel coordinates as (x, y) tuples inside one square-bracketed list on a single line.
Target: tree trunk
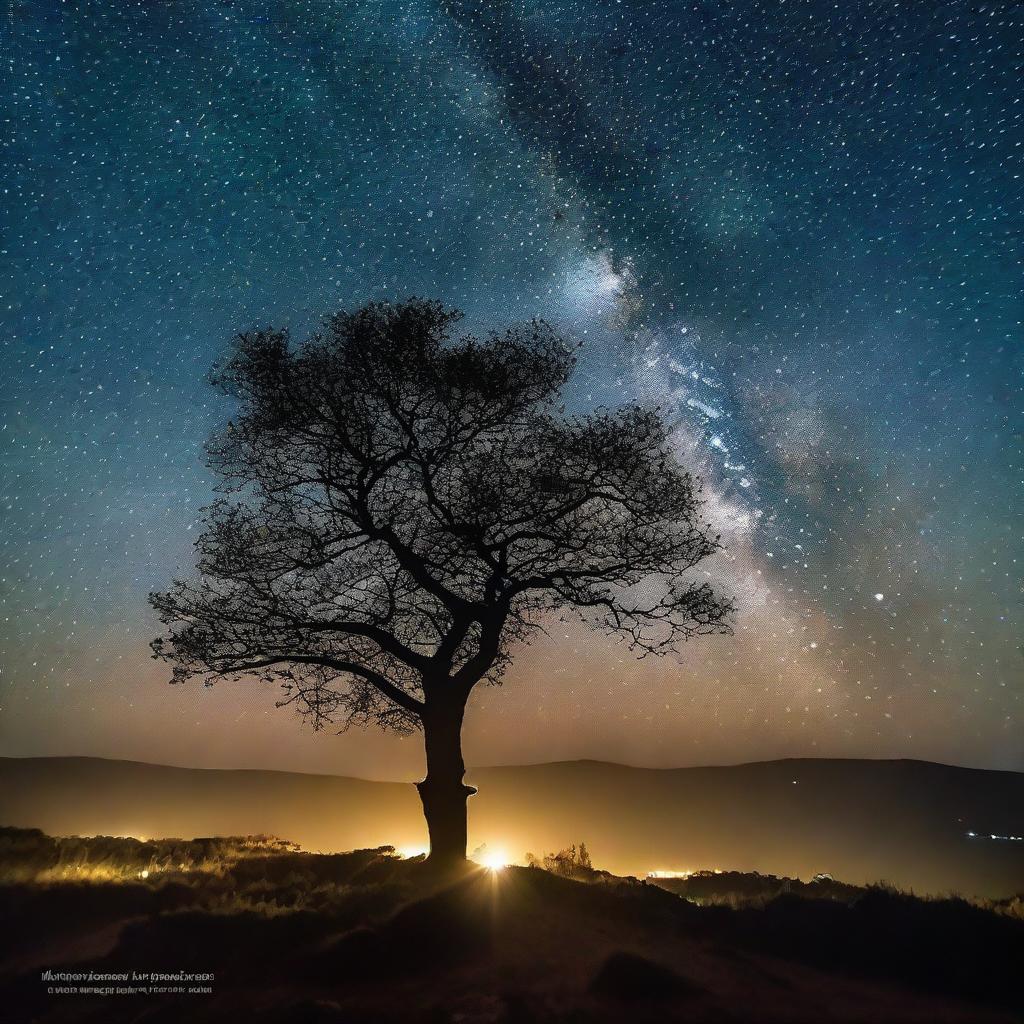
[(443, 792)]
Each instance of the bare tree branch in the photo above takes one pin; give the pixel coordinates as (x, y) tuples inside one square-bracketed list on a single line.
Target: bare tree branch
[(402, 509)]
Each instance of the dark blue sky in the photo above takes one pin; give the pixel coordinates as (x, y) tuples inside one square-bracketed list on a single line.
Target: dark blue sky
[(797, 225)]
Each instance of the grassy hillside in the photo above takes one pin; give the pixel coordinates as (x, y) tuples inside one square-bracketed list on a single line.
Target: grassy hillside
[(906, 822), (371, 937)]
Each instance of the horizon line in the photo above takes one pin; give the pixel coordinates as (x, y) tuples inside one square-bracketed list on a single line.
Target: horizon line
[(511, 766)]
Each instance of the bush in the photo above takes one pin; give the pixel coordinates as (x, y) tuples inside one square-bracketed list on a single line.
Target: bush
[(572, 862)]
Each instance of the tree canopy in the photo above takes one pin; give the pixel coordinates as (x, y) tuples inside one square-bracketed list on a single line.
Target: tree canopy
[(403, 508)]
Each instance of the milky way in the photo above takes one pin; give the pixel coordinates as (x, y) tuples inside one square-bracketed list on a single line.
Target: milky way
[(796, 226)]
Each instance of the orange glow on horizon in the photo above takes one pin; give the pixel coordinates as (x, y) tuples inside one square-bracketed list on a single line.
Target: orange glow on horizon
[(408, 852), (493, 860)]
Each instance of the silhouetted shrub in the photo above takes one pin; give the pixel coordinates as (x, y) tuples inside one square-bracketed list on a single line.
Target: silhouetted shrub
[(572, 862)]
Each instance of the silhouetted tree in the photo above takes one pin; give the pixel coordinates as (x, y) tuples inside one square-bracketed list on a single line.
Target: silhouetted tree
[(404, 509)]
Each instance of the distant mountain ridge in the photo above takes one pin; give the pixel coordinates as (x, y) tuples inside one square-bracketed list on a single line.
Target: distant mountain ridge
[(904, 821)]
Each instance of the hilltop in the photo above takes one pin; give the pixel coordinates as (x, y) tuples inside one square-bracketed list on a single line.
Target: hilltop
[(282, 935)]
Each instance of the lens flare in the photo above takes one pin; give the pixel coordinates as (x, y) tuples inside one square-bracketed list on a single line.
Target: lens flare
[(493, 860)]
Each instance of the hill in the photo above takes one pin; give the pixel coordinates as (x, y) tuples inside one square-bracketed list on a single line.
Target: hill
[(252, 929), (907, 822)]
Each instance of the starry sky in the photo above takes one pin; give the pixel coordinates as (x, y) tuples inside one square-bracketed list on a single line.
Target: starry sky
[(794, 225)]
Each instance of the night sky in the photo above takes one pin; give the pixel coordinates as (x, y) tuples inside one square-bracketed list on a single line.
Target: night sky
[(795, 225)]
